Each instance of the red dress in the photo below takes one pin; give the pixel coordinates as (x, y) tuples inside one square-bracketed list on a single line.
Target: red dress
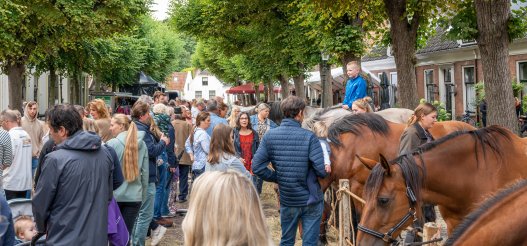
[(246, 144)]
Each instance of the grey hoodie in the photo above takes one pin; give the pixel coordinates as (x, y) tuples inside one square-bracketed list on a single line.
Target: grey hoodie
[(71, 199)]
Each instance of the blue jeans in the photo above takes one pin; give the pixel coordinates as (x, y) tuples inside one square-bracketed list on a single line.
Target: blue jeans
[(166, 194), (34, 165), (310, 216), (183, 181), (258, 183), (160, 191), (144, 217)]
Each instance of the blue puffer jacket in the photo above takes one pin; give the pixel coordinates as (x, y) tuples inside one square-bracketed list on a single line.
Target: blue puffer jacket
[(292, 150), (155, 148)]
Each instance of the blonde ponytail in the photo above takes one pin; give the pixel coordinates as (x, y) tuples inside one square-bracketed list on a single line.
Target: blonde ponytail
[(131, 157)]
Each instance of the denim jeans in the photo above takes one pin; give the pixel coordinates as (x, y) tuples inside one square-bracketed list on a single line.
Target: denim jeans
[(183, 181), (34, 165), (166, 193), (144, 217), (258, 183), (160, 190), (310, 215)]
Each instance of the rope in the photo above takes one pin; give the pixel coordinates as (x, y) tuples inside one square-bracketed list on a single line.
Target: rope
[(344, 190)]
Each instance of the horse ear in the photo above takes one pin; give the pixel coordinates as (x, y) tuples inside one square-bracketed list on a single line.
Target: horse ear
[(368, 163), (384, 164)]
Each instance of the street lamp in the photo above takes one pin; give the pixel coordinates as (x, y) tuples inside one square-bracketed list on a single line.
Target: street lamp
[(323, 73)]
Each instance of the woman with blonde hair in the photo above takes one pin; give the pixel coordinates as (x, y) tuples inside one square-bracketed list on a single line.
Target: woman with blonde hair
[(133, 155), (234, 116), (362, 105), (100, 114), (222, 154), (229, 223)]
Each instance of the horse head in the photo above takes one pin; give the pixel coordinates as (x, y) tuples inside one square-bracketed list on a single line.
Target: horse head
[(392, 201)]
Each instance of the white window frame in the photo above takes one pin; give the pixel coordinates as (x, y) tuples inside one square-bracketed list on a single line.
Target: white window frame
[(203, 80), (465, 91), (200, 94), (518, 69), (425, 82), (210, 96)]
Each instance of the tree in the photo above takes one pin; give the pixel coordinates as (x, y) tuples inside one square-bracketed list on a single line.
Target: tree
[(493, 25), (39, 26)]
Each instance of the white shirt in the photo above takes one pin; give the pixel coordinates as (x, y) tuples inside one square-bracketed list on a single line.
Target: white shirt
[(18, 176)]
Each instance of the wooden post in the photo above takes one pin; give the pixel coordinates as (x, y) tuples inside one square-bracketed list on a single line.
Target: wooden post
[(429, 231), (344, 215)]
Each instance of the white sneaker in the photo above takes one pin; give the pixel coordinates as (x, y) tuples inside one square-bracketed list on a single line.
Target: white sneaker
[(158, 234)]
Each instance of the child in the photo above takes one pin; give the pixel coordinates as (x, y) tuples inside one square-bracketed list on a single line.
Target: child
[(321, 131), (24, 229)]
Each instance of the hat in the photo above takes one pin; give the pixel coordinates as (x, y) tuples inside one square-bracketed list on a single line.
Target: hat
[(177, 110)]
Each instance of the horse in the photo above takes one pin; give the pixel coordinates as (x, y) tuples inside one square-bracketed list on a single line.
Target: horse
[(455, 173), (367, 135), (500, 221)]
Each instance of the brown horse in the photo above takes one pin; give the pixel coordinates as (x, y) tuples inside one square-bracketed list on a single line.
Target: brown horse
[(500, 221), (368, 135), (455, 173)]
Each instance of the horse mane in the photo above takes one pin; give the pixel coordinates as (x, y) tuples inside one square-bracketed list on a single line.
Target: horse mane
[(487, 205), (488, 138), (412, 173), (354, 122)]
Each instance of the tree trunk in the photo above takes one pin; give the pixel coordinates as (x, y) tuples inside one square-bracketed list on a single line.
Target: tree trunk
[(270, 87), (15, 76), (403, 32), (299, 82), (52, 91), (493, 43), (327, 86), (266, 92), (257, 92), (284, 83)]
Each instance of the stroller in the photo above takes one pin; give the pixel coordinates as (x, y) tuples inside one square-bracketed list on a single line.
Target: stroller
[(20, 207)]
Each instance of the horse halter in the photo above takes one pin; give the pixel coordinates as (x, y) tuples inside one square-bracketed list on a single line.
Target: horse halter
[(388, 236)]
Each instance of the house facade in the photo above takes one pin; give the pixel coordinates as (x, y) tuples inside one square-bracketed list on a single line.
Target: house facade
[(447, 71), (204, 85)]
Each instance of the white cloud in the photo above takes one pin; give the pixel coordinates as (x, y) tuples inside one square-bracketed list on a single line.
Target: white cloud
[(160, 9)]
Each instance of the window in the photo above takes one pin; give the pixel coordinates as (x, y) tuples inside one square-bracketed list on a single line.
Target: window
[(212, 94), (448, 75), (199, 94), (430, 86), (470, 91), (522, 71), (205, 81)]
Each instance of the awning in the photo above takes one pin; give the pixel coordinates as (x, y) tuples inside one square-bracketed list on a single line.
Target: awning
[(249, 89)]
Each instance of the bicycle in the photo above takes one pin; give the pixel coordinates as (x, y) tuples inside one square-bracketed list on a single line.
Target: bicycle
[(467, 118)]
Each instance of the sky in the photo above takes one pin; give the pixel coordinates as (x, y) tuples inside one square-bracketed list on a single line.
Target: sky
[(160, 8)]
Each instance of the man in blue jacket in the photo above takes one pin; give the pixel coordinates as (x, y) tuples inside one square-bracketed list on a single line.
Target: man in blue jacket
[(355, 87), (293, 152)]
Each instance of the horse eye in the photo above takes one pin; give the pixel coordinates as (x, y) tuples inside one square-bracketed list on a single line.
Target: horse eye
[(382, 201)]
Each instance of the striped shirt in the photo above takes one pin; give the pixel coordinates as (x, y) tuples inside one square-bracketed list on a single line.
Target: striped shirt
[(6, 154)]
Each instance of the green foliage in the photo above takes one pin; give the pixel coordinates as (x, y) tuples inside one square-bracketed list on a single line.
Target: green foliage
[(442, 113)]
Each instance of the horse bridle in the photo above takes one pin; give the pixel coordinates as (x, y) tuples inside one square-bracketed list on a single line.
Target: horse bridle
[(388, 236)]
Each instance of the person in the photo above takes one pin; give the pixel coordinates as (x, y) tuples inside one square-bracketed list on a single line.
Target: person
[(197, 108), (35, 129), (17, 178), (131, 149), (182, 130), (24, 229), (291, 157), (222, 156), (219, 99), (355, 86), (246, 143), (197, 144), (75, 183), (7, 237), (234, 116), (87, 123), (229, 223), (362, 105), (260, 121), (160, 97), (417, 134), (100, 114), (142, 119), (483, 110), (215, 118), (187, 116), (6, 154), (167, 160), (223, 109)]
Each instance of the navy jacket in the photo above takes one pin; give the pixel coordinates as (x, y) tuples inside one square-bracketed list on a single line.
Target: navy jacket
[(172, 158), (154, 147), (292, 150)]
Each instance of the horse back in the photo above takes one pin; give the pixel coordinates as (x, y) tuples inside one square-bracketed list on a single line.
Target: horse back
[(443, 128)]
